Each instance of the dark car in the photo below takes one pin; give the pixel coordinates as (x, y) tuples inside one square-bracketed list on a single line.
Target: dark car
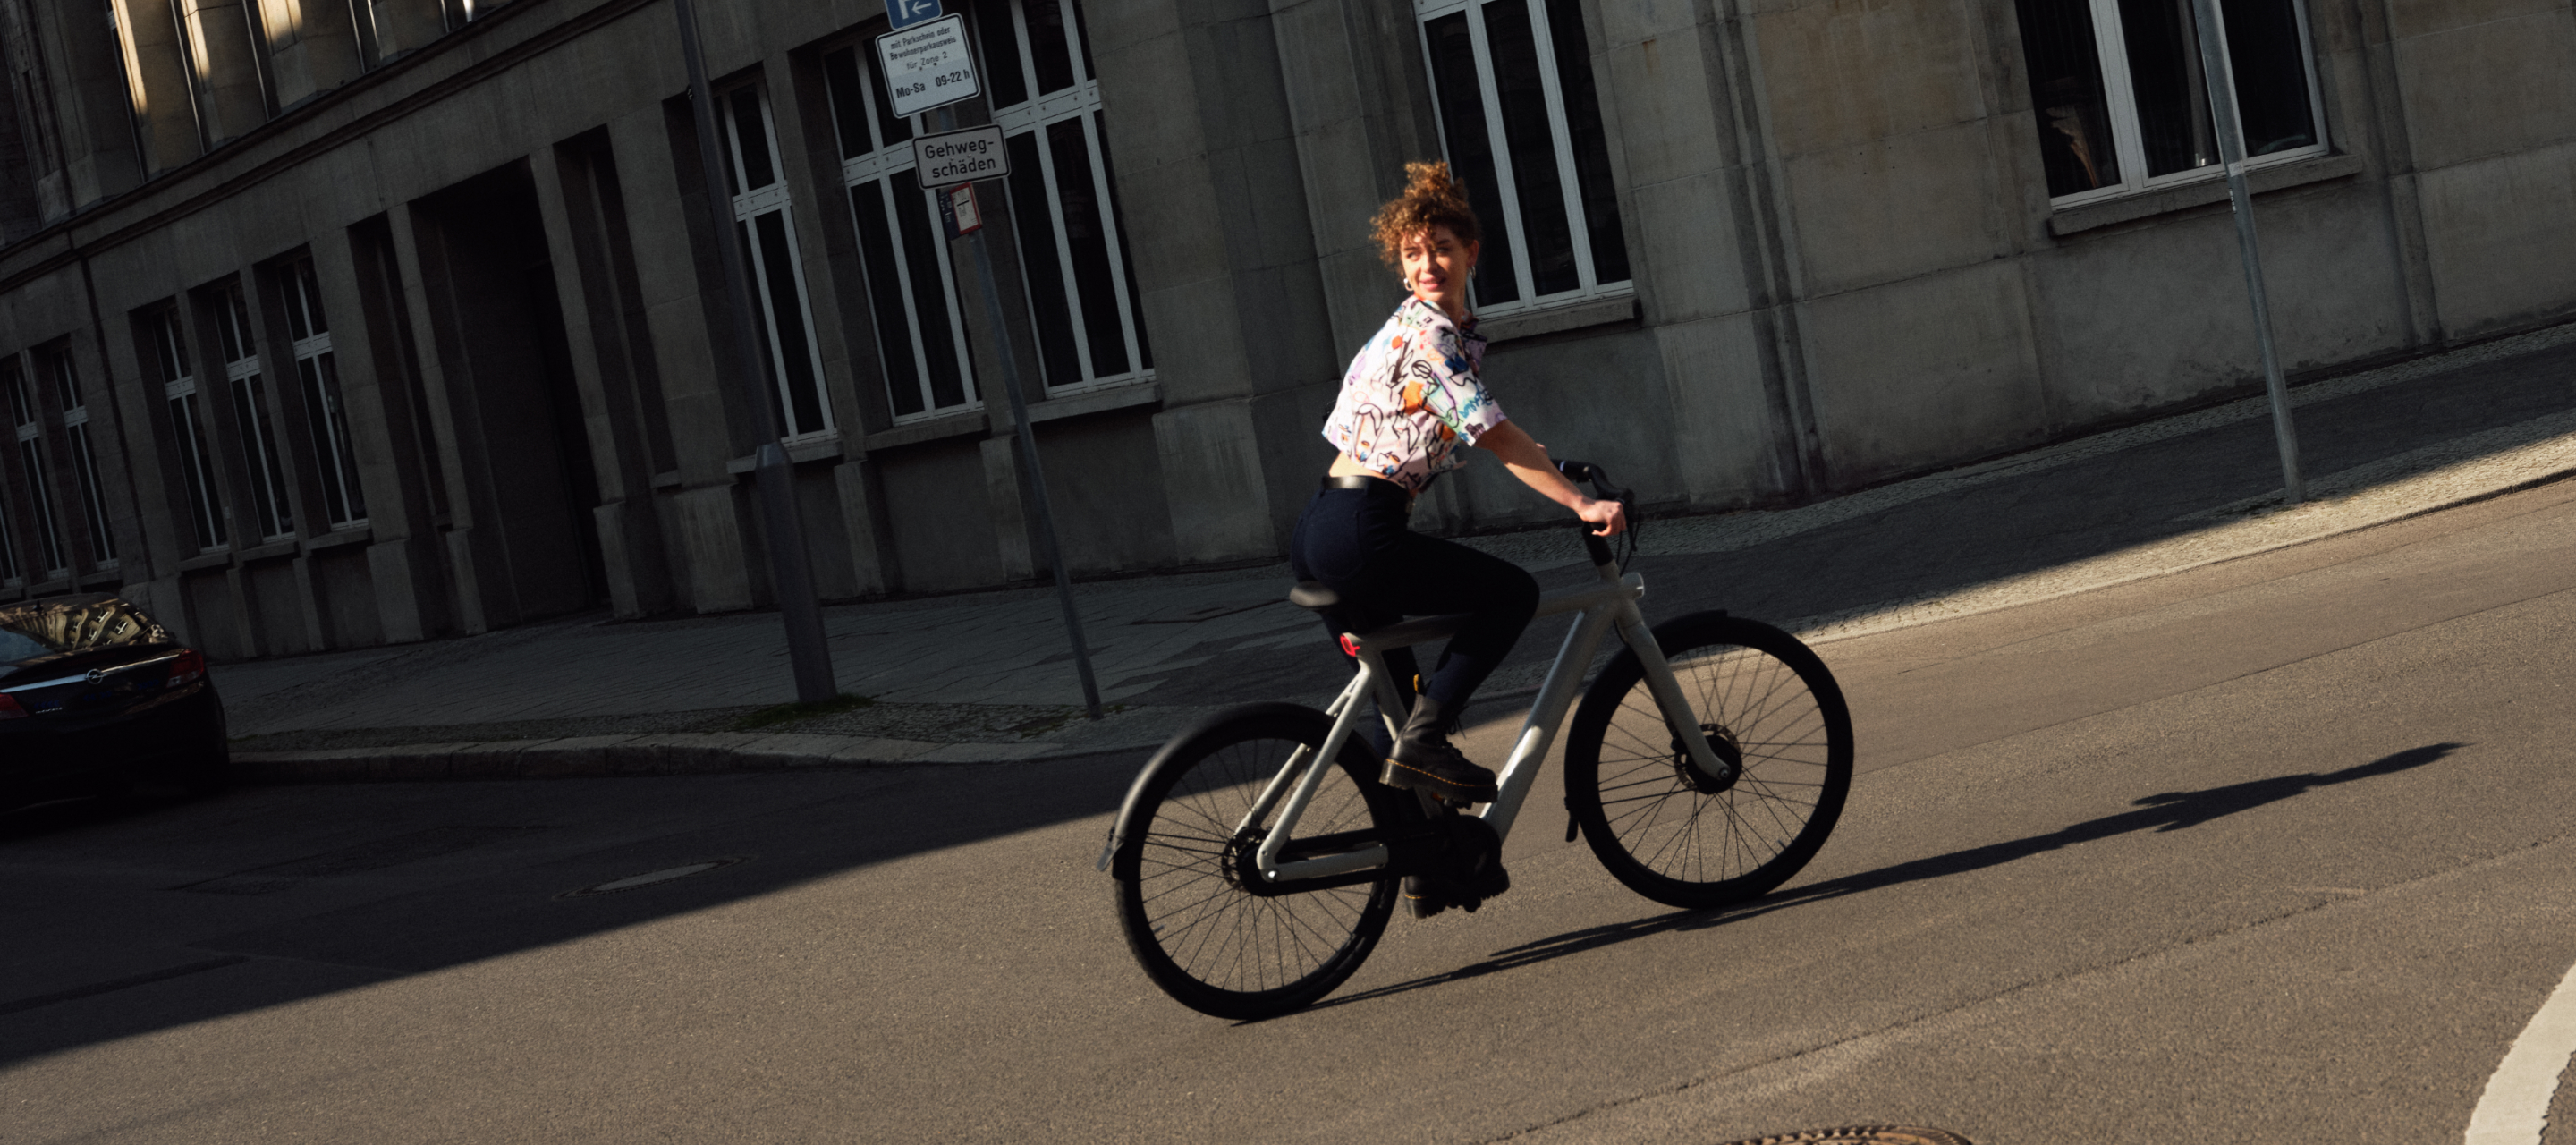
[(96, 696)]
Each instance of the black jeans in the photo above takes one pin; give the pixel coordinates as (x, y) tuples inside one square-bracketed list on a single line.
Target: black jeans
[(1356, 542)]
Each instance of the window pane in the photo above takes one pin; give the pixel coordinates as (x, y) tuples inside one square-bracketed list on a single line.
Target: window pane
[(1038, 263), (752, 137), (2073, 117), (1001, 53), (8, 546), (1050, 50), (31, 460), (2164, 70), (102, 545), (1087, 238), (310, 290), (891, 128), (333, 460), (198, 470), (1522, 90), (1118, 218), (259, 452), (65, 386), (929, 294), (885, 298), (2264, 53), (787, 320), (1591, 148), (1471, 155), (849, 104)]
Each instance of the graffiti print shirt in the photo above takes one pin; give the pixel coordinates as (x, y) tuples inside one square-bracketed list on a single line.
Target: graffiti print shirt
[(1412, 397)]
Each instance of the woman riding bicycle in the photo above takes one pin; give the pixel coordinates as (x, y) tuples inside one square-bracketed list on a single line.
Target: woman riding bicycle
[(1411, 398)]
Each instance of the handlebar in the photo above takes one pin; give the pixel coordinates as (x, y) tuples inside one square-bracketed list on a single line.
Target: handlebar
[(1603, 490)]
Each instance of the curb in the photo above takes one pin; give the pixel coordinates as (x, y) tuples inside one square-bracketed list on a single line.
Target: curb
[(598, 757)]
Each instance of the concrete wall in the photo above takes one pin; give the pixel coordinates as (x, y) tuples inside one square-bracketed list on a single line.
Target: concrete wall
[(1846, 268)]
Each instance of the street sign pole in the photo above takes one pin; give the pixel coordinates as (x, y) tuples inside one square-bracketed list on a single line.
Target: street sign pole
[(791, 572), (2231, 151), (965, 163)]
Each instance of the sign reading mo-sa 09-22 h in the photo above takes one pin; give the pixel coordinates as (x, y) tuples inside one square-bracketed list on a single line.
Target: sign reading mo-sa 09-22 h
[(954, 157), (927, 65)]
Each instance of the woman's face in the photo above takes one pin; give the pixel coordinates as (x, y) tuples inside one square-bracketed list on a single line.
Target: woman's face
[(1436, 268)]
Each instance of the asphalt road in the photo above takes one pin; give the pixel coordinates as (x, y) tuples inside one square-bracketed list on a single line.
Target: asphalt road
[(2276, 850)]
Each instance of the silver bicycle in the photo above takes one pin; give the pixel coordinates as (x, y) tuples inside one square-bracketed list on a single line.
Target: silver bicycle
[(1257, 859)]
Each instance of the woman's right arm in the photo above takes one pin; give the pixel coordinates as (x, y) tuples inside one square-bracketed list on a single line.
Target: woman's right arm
[(1528, 461)]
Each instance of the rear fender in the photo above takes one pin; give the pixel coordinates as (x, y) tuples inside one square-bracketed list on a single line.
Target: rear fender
[(1124, 852)]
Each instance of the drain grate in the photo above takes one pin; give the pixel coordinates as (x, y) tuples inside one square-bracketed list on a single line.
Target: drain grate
[(1862, 1135)]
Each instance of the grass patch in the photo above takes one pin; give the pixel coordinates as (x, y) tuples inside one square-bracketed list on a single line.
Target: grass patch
[(777, 714)]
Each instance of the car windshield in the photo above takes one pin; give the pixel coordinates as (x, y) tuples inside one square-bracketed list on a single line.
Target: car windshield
[(46, 628)]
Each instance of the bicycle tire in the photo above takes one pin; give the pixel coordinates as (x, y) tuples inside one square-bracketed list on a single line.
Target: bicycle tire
[(1681, 837), (1211, 944)]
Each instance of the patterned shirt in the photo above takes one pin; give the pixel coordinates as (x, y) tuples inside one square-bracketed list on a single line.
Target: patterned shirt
[(1412, 397)]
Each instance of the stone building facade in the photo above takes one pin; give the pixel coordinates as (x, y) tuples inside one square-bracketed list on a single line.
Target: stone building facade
[(331, 323)]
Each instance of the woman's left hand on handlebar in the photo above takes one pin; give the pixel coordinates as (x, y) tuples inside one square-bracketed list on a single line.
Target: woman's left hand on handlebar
[(1610, 518)]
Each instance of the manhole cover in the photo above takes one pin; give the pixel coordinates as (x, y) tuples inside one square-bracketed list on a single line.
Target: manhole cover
[(651, 878), (1862, 1135)]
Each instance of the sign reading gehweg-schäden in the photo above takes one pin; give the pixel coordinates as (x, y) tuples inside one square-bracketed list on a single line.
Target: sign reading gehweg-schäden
[(954, 157), (927, 65)]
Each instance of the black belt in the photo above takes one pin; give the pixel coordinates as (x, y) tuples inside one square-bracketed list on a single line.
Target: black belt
[(1377, 485)]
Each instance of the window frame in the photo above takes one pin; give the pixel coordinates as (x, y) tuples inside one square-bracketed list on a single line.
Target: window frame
[(1033, 115), (1589, 286), (879, 162), (2120, 101), (84, 458), (317, 381), (749, 206), (27, 417), (246, 386), (188, 428)]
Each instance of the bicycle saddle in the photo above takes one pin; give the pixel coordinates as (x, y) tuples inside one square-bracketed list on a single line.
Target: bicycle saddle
[(1314, 594)]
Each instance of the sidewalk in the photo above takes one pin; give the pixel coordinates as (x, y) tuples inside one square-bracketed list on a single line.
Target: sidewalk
[(984, 677)]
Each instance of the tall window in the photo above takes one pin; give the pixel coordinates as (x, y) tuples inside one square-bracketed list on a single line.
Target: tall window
[(250, 413), (912, 292), (1064, 203), (187, 426), (10, 574), (760, 210), (1522, 121), (28, 420), (102, 543), (2123, 104), (317, 374)]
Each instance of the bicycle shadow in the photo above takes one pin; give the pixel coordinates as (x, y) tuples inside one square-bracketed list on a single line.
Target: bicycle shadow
[(2162, 812)]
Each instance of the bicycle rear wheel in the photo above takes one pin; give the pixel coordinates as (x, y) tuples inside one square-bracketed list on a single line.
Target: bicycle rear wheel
[(1680, 836), (1198, 921)]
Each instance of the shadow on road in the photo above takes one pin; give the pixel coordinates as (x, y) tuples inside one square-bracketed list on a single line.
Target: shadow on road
[(383, 915), (2166, 811)]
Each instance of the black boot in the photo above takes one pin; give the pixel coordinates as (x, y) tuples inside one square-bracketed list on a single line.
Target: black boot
[(1424, 760)]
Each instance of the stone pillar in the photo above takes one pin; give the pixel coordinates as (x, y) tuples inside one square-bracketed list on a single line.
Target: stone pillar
[(224, 65), (568, 198), (1229, 256), (1010, 518), (156, 68), (311, 47), (405, 26)]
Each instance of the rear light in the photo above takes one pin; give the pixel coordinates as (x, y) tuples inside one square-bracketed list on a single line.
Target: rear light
[(9, 709), (189, 668)]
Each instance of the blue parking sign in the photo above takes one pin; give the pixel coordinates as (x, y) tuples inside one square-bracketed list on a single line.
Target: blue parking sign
[(906, 13)]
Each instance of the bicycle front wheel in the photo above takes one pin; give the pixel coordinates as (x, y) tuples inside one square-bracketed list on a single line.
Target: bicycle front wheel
[(1189, 900), (1681, 836)]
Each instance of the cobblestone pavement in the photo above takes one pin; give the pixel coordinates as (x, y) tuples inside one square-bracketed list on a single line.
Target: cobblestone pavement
[(986, 676)]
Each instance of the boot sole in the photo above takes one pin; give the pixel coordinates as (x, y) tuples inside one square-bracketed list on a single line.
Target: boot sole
[(1405, 778)]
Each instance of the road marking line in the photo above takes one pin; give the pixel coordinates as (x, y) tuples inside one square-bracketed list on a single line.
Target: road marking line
[(2515, 1107)]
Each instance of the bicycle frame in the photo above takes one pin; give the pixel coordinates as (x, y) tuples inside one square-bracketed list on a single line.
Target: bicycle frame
[(1600, 608)]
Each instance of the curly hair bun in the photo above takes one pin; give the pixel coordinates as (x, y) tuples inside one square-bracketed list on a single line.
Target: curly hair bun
[(1432, 198)]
